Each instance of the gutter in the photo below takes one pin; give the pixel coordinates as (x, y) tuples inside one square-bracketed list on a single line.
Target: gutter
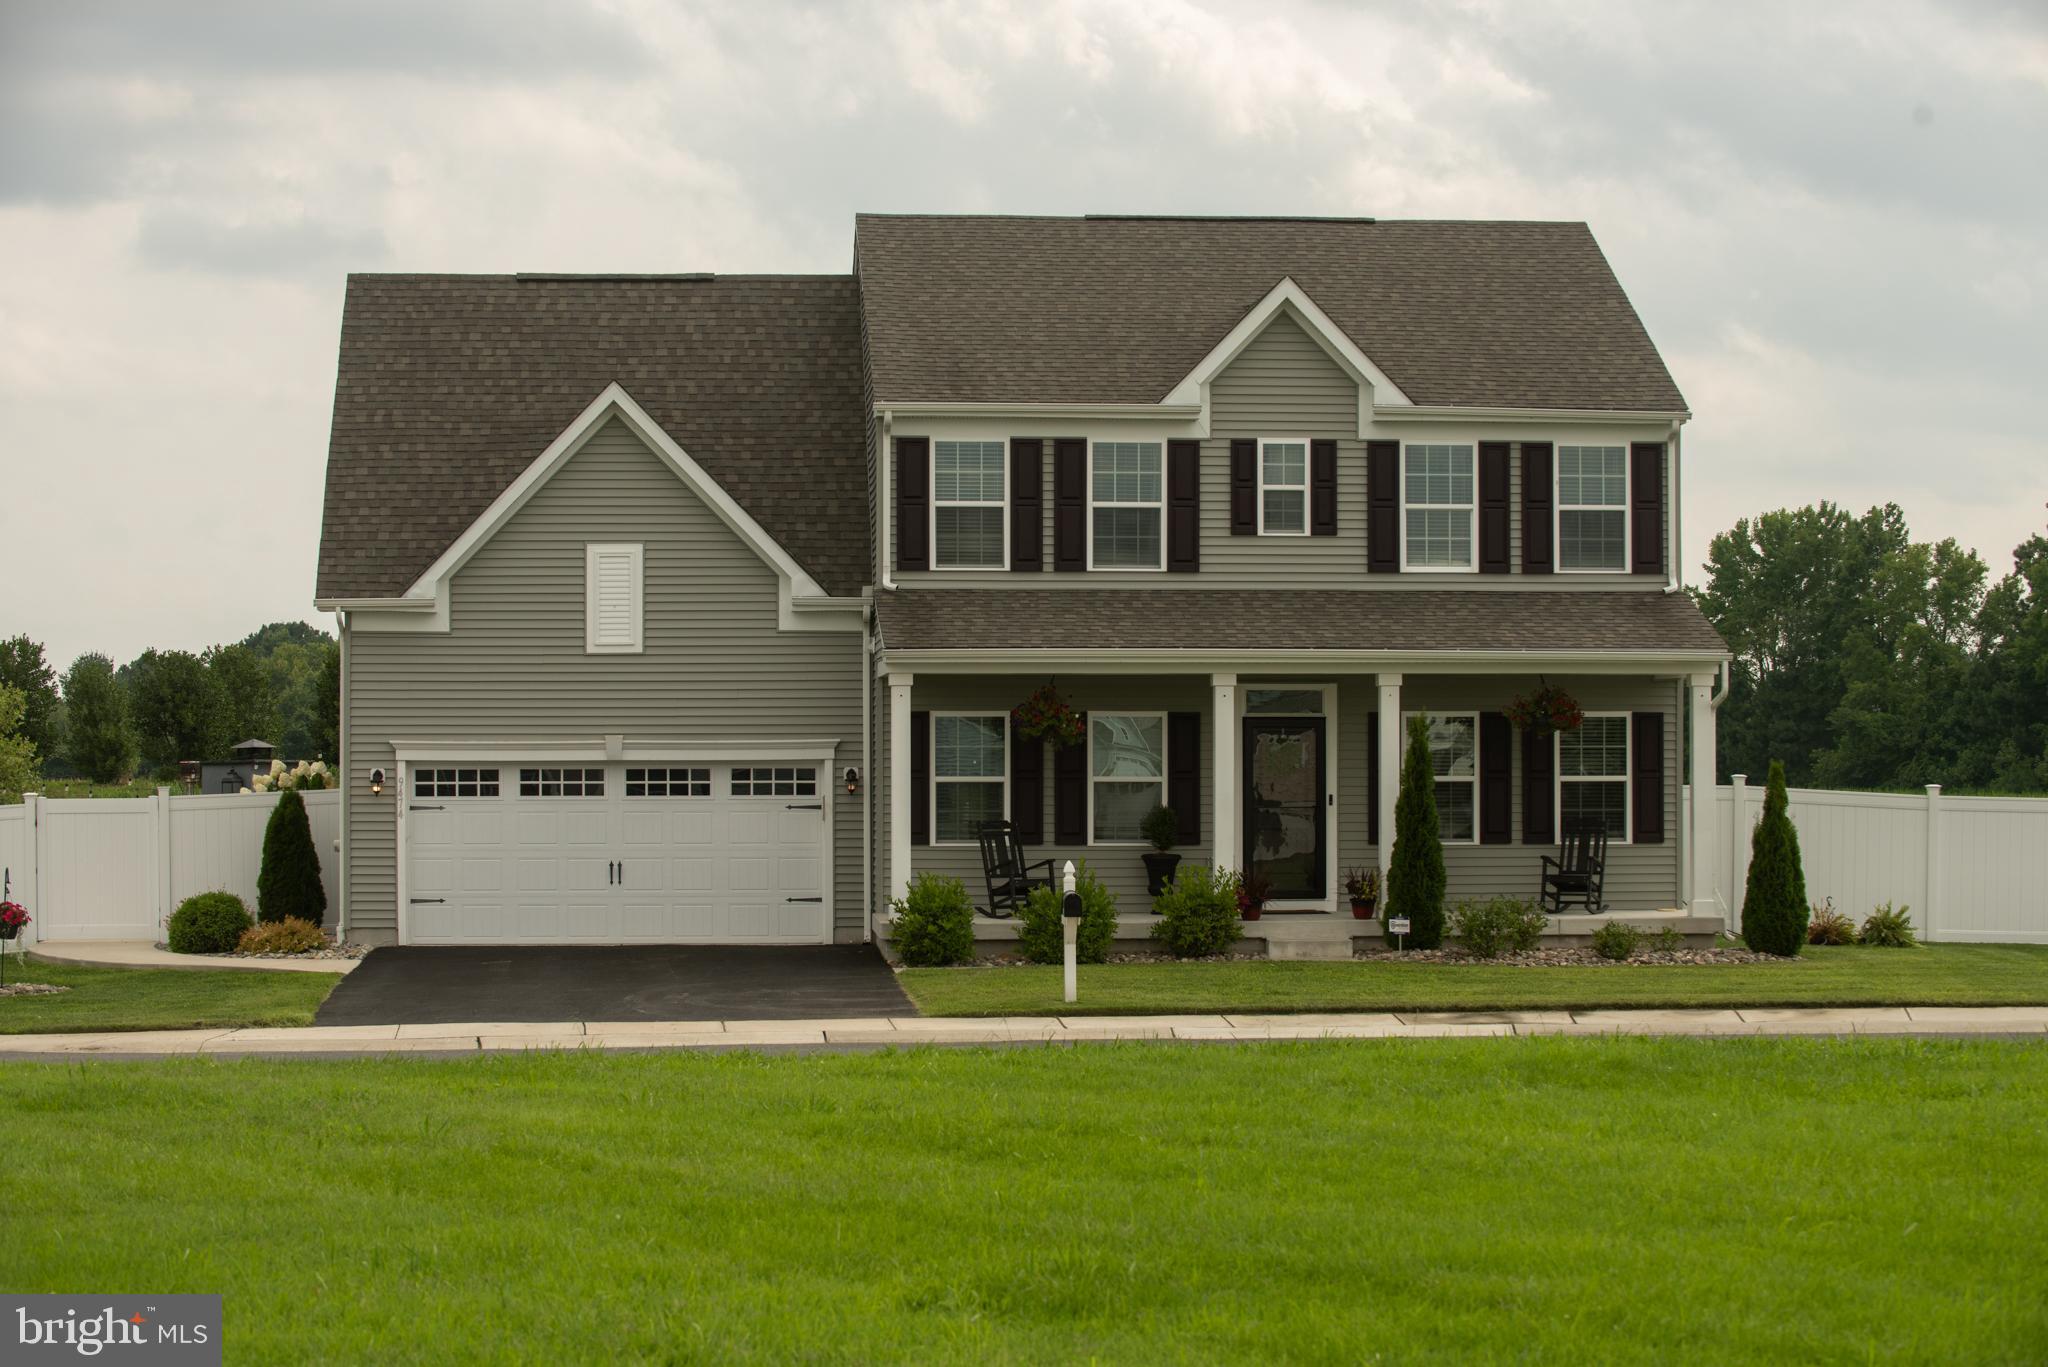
[(869, 642), (1675, 522), (341, 765), (885, 481)]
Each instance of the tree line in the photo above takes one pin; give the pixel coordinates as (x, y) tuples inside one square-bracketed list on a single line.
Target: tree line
[(281, 683)]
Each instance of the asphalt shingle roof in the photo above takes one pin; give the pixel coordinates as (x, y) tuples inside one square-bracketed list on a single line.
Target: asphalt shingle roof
[(450, 385), (1118, 310), (1277, 619)]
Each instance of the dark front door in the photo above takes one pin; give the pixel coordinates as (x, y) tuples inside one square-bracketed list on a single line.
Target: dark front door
[(1286, 809)]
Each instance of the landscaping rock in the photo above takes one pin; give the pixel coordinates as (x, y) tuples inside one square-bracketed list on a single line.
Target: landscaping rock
[(31, 990), (1581, 957)]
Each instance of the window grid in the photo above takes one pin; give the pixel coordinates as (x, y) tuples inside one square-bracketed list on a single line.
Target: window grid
[(970, 774), (668, 783), (1454, 759), (968, 505), (1594, 775), (1592, 508), (1283, 487), (1439, 506), (455, 783), (1127, 512), (1126, 774), (542, 782), (768, 781)]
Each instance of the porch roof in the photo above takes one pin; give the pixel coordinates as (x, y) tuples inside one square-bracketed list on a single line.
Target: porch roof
[(1201, 621)]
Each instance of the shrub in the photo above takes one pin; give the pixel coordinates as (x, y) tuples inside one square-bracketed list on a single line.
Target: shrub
[(208, 923), (1040, 935), (1668, 940), (1616, 940), (1774, 907), (1826, 926), (1198, 912), (934, 924), (1161, 828), (289, 936), (1888, 929), (1499, 925), (1415, 875), (289, 883)]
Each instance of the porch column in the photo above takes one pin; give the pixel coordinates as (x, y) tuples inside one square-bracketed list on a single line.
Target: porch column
[(1390, 766), (1226, 781), (899, 784), (1706, 847)]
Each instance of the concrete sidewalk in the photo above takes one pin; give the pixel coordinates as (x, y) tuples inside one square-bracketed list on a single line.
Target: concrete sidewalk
[(875, 1031)]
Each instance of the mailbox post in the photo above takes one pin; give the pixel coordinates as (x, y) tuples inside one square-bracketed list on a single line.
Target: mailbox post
[(1070, 928)]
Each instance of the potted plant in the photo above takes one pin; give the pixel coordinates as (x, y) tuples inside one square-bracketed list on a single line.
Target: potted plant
[(1161, 829), (1252, 891), (1046, 716), (1363, 887), (1548, 710), (13, 916)]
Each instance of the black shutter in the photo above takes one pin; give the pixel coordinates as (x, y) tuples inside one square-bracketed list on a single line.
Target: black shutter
[(913, 503), (1372, 778), (1184, 506), (1536, 492), (1383, 507), (1322, 487), (1496, 779), (1027, 498), (1646, 507), (1244, 486), (1027, 788), (1070, 791), (1647, 788), (1070, 503), (920, 778), (1493, 507), (1184, 772), (1539, 798)]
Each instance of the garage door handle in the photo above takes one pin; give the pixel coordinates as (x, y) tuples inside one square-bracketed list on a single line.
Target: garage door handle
[(803, 899), (804, 806), (437, 901)]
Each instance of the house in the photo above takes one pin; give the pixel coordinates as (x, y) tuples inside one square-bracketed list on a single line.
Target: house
[(693, 608)]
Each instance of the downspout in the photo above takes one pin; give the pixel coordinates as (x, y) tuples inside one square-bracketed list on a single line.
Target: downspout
[(1674, 579), (885, 481), (347, 779), (867, 770)]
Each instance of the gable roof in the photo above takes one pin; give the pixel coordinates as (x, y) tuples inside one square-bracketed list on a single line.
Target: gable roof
[(1120, 310), (450, 386)]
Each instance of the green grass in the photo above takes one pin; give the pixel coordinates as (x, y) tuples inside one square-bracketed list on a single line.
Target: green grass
[(158, 998), (1932, 975), (1535, 1200)]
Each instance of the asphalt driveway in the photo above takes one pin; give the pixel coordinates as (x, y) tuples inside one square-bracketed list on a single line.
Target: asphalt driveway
[(416, 986)]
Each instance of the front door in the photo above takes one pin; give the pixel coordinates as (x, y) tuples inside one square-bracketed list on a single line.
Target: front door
[(1286, 812)]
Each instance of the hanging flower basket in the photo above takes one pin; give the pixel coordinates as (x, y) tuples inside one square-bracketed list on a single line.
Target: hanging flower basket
[(13, 916), (1045, 715), (1549, 709)]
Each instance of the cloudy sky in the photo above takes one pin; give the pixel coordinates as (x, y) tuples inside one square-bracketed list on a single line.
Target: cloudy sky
[(1833, 223)]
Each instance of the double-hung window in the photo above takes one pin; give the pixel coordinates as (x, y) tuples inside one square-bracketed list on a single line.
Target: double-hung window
[(1454, 759), (969, 772), (1128, 506), (1593, 775), (1592, 508), (1283, 488), (1437, 484), (968, 506), (1126, 774)]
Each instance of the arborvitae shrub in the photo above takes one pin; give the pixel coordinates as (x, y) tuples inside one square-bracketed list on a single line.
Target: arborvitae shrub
[(1774, 906), (289, 883), (1415, 875)]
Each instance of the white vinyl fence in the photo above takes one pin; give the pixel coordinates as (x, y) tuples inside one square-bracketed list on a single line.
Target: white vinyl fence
[(1971, 868), (116, 868)]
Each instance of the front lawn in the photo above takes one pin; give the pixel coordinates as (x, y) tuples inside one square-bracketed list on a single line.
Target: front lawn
[(1933, 975), (158, 998), (1541, 1200)]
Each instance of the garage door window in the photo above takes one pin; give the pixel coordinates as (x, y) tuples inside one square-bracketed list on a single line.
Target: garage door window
[(668, 783), (561, 783), (455, 783), (763, 781)]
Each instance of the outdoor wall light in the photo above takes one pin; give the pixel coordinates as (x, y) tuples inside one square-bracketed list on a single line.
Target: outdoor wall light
[(376, 783), (852, 782)]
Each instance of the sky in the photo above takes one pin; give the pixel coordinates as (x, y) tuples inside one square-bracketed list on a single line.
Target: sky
[(1832, 218)]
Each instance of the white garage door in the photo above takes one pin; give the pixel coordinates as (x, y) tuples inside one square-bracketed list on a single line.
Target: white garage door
[(543, 853)]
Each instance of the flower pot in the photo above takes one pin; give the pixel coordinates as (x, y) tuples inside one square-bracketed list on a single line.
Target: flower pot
[(9, 932), (1159, 867), (1363, 908), (1248, 912)]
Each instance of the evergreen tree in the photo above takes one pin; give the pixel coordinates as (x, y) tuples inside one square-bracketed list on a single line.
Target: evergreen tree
[(97, 740), (1415, 879), (288, 883), (1774, 909)]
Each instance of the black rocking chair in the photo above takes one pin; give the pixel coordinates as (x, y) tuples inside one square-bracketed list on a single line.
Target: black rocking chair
[(1579, 875), (1010, 879)]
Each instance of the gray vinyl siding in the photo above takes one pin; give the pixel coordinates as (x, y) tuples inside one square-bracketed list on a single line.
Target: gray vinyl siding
[(513, 666)]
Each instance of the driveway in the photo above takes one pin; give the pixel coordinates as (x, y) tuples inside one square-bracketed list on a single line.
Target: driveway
[(415, 986)]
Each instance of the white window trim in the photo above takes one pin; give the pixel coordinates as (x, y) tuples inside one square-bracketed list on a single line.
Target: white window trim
[(638, 554), (932, 482), (1557, 505), (935, 780), (1165, 772), (1160, 442), (1628, 777), (1471, 509), (1478, 763), (1307, 460)]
